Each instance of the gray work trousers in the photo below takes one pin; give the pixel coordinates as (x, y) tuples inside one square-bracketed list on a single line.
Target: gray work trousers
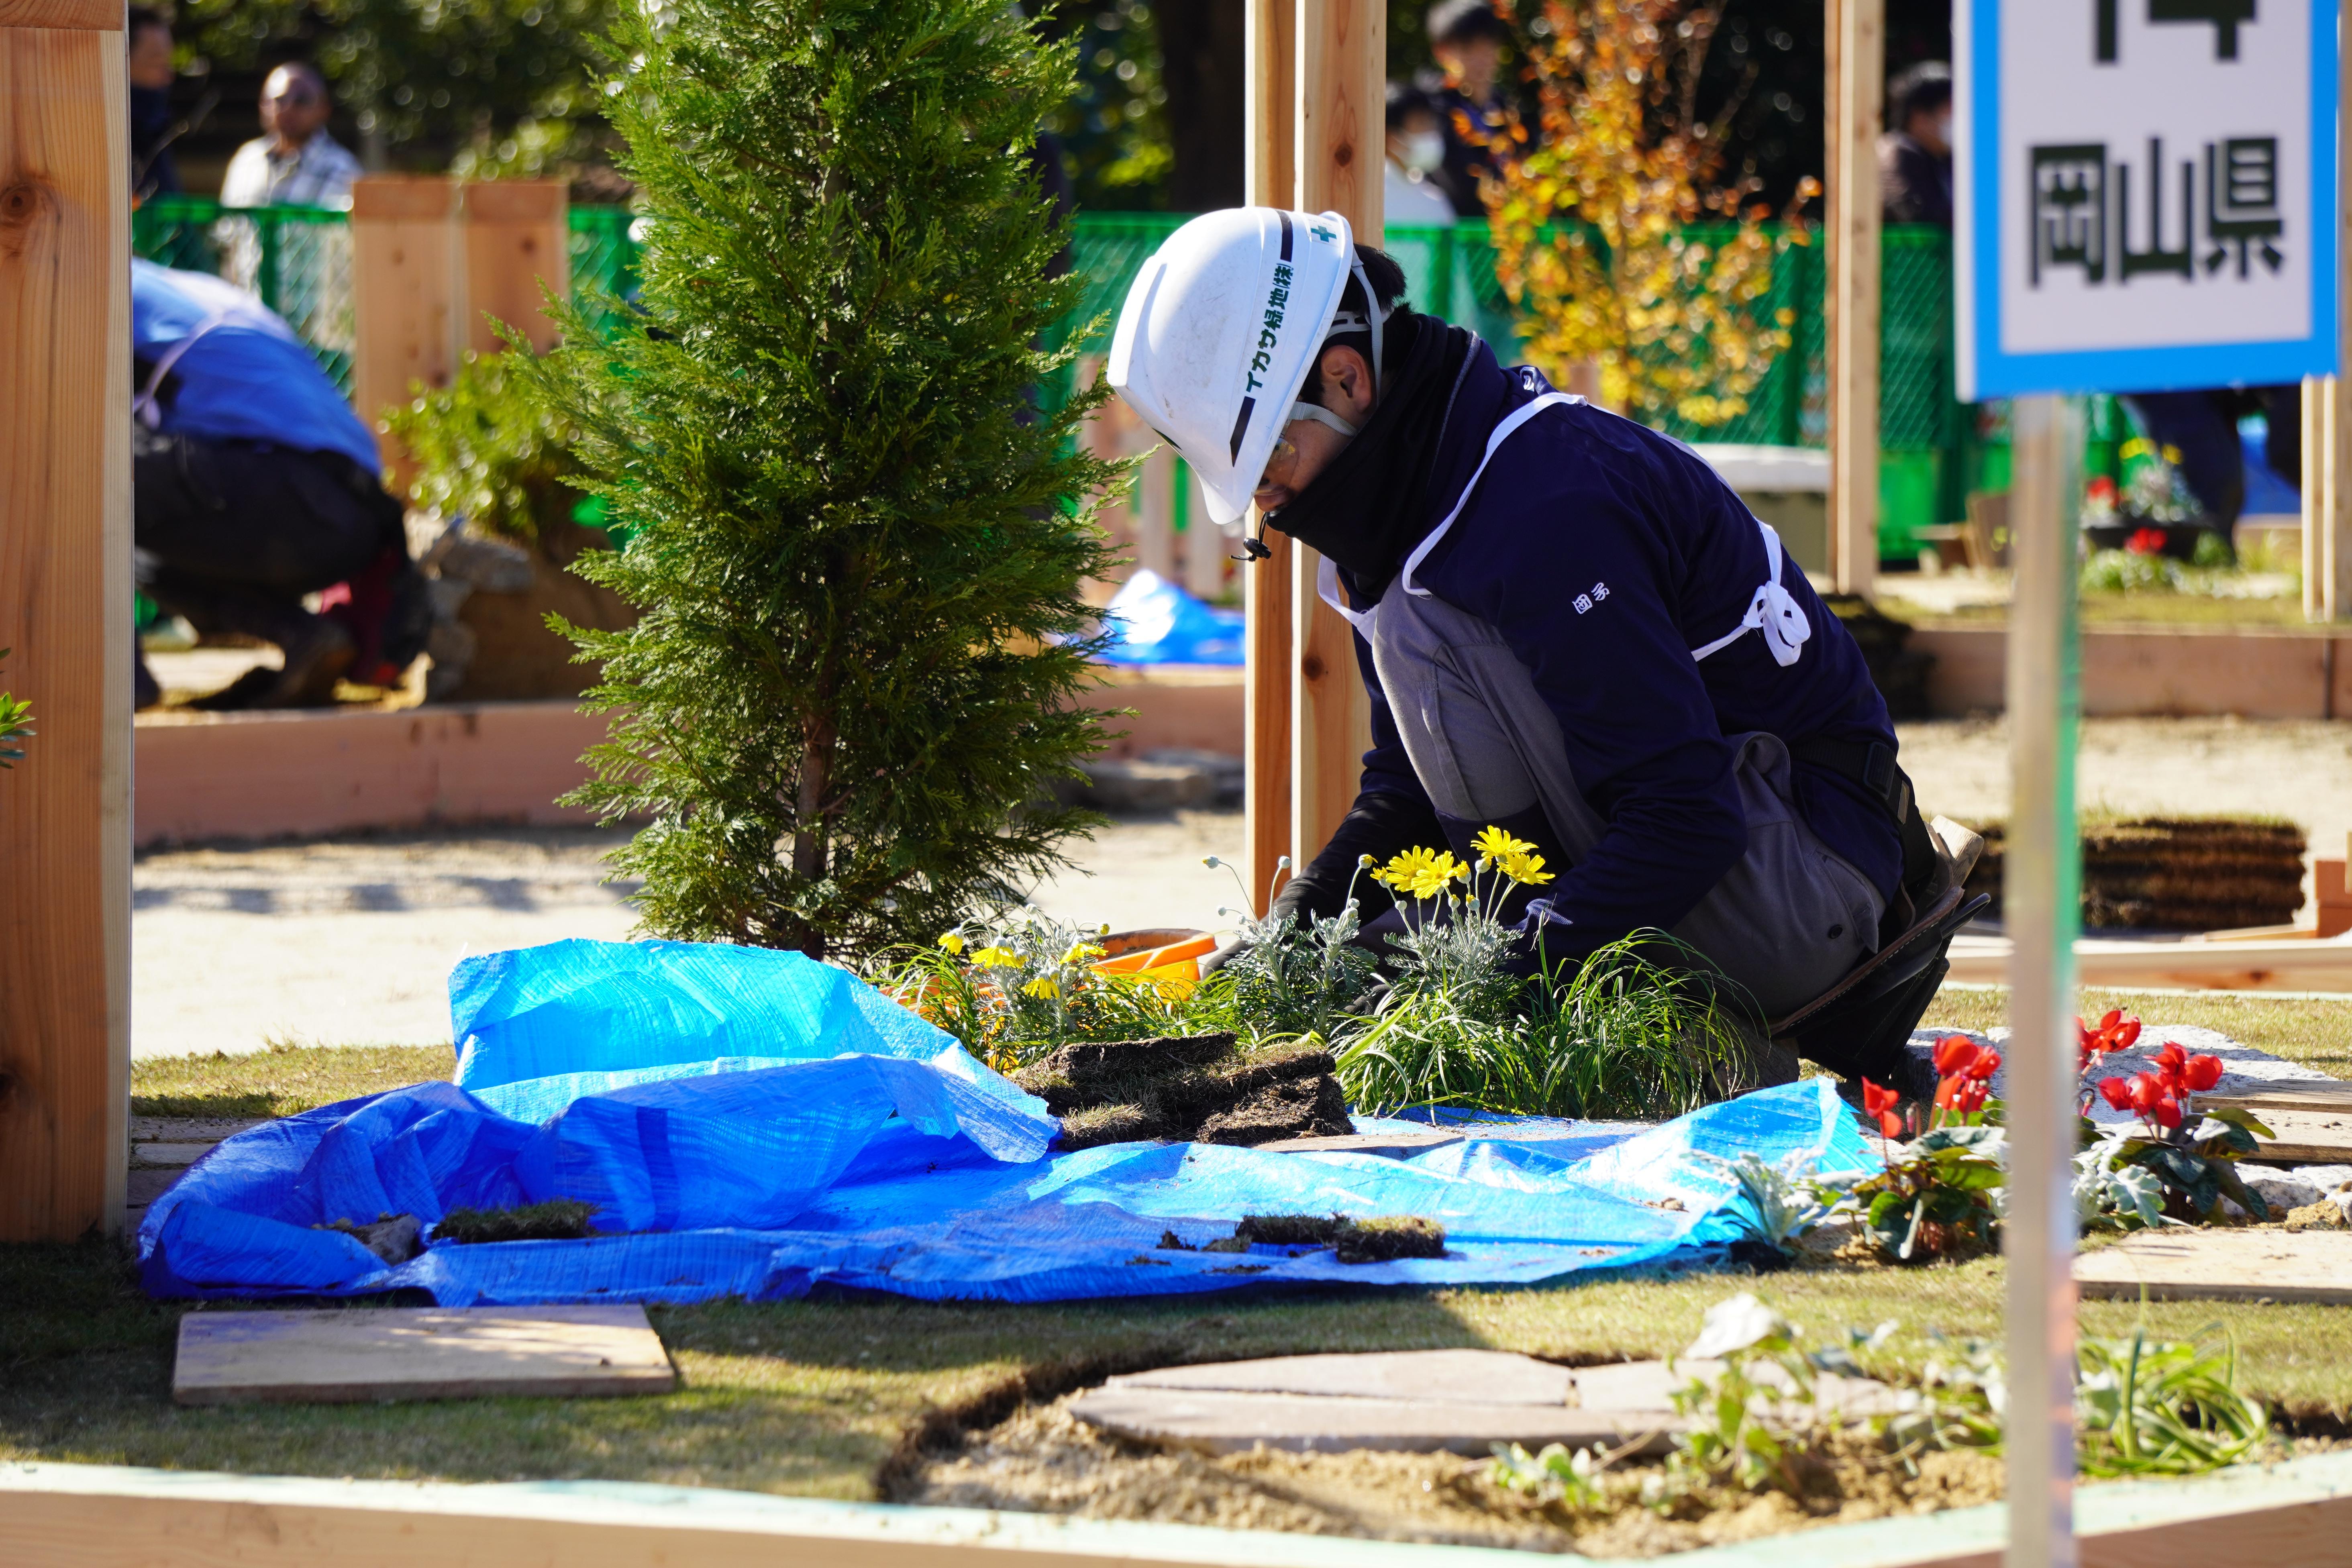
[(1786, 922)]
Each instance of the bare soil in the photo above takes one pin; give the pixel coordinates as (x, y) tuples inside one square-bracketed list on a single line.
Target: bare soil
[(1044, 1460)]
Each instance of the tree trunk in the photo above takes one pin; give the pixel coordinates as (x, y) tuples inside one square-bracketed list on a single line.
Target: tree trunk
[(1201, 45), (809, 836)]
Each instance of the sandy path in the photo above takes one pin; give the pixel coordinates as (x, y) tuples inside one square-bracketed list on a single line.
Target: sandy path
[(350, 941)]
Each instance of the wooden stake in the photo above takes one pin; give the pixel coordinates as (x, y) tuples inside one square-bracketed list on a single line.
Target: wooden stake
[(2041, 904), (64, 610), (1857, 59), (408, 295), (1342, 66), (518, 237), (1272, 64), (2327, 447)]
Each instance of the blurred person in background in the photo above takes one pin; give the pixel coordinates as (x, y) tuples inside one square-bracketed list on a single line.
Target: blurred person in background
[(1915, 155), (294, 162), (152, 171), (1467, 39), (254, 484), (1414, 195)]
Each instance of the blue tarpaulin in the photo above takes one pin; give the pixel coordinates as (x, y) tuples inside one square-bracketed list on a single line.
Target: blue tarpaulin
[(754, 1123), (1153, 621)]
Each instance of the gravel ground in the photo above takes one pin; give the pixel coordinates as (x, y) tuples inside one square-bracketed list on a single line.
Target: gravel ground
[(349, 941)]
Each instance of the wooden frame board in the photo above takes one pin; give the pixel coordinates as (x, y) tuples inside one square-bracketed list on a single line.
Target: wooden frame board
[(78, 1516)]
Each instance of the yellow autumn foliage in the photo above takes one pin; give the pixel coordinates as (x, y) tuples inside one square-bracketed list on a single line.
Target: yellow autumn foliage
[(1615, 234)]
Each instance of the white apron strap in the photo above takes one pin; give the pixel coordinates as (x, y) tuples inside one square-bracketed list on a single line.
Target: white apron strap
[(1772, 611), (1327, 576), (1517, 416), (149, 412)]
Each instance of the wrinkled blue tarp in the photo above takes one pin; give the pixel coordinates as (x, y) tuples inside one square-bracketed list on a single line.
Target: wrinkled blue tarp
[(699, 1095), (1154, 621)]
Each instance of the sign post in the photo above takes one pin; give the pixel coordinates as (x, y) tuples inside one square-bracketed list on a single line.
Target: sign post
[(2146, 200)]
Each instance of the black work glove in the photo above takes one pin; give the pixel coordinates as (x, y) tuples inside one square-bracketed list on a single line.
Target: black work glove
[(1381, 826)]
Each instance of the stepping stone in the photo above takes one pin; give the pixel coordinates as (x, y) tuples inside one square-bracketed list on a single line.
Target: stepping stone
[(424, 1352), (1464, 1401), (171, 1155), (1476, 1377), (188, 1128), (1395, 1145), (2223, 1266)]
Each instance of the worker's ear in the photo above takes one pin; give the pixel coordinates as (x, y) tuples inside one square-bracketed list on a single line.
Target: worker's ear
[(1347, 379)]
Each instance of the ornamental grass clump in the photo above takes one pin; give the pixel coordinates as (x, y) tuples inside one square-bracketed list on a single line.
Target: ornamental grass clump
[(856, 542)]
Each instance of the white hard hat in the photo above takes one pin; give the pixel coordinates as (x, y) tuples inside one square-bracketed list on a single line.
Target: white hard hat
[(1220, 330)]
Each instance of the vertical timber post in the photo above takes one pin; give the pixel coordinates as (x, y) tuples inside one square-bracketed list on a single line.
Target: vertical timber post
[(2042, 908), (65, 612), (2327, 444), (1856, 92), (517, 236), (1273, 68), (1342, 117), (408, 296)]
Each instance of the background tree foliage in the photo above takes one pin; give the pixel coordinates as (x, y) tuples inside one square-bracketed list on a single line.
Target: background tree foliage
[(484, 86), (857, 547), (1617, 234)]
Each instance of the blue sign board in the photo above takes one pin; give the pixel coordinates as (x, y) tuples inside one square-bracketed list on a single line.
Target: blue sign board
[(2148, 194)]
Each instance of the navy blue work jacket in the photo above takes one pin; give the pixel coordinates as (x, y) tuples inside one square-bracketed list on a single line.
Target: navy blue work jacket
[(1578, 496)]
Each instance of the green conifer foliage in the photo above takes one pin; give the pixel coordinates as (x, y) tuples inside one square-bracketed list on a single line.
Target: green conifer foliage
[(854, 541)]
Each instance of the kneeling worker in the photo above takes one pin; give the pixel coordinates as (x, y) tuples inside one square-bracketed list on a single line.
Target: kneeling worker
[(254, 484), (1570, 627)]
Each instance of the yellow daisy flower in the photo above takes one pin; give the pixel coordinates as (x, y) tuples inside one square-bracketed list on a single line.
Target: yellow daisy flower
[(1436, 874), (1498, 846), (952, 944), (996, 958), (1042, 987), (1080, 951), (1526, 870)]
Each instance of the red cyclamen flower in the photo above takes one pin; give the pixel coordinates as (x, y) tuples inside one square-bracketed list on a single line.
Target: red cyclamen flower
[(1954, 1053), (2117, 1092), (1988, 1063), (2202, 1073)]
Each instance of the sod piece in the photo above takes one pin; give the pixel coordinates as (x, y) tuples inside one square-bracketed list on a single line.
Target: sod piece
[(1386, 1238), (558, 1219), (1202, 1088)]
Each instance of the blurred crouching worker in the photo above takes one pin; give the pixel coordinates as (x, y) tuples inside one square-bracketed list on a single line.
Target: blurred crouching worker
[(1915, 155), (153, 172), (1414, 195), (253, 484), (1469, 40)]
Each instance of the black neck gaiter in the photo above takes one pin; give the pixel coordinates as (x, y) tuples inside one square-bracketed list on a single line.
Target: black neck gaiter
[(1370, 506)]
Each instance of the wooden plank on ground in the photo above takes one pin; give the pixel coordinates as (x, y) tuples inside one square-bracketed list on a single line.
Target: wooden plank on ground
[(2206, 1265), (2306, 1137), (426, 1352), (2286, 1094)]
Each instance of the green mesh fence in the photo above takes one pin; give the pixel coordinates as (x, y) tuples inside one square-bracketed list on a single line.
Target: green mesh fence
[(299, 259), (1935, 449)]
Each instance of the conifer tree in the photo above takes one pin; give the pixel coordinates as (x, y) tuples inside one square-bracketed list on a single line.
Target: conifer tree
[(857, 545)]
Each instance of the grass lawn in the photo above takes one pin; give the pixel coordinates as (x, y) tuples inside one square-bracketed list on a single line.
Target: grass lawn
[(2135, 612), (816, 1397)]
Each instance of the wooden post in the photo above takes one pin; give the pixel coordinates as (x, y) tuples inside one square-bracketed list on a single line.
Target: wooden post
[(407, 294), (65, 612), (1155, 513), (1857, 63), (2327, 444), (2321, 513), (1272, 175), (2042, 903), (1204, 542), (1342, 66), (517, 236)]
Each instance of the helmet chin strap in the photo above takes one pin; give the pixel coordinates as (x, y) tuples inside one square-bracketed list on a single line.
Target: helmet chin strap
[(1375, 314)]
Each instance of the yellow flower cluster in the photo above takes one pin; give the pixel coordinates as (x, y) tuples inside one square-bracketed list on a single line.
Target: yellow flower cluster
[(996, 958), (1424, 873), (1516, 857)]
